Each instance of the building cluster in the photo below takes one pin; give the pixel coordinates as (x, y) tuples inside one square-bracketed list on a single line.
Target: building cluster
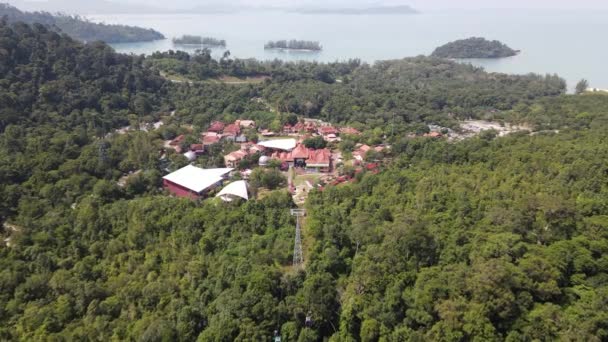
[(193, 182), (319, 128), (312, 160)]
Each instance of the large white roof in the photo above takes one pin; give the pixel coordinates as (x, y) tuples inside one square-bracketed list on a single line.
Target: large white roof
[(234, 189), (196, 179), (279, 144)]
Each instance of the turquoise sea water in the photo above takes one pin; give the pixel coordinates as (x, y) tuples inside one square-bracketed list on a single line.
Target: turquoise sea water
[(569, 43)]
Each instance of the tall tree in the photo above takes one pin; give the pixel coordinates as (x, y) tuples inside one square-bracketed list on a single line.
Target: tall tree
[(582, 86)]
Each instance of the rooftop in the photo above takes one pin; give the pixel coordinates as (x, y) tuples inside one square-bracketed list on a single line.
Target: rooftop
[(197, 179), (279, 144), (234, 189)]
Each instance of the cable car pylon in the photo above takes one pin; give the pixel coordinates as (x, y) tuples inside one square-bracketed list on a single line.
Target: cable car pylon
[(298, 254)]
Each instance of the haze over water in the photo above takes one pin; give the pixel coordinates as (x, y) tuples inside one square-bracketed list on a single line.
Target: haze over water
[(569, 43)]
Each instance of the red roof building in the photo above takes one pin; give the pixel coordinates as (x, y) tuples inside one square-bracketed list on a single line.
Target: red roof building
[(327, 130), (311, 159), (210, 138), (234, 158), (232, 129), (216, 127)]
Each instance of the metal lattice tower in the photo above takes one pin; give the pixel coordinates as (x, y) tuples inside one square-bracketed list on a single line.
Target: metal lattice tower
[(298, 254)]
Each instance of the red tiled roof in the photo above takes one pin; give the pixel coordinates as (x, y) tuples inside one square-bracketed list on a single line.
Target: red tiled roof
[(210, 139), (319, 157), (216, 126), (282, 156), (300, 152), (237, 155), (232, 129), (328, 130)]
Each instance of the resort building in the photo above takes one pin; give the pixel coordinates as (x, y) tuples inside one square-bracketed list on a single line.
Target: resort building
[(193, 182)]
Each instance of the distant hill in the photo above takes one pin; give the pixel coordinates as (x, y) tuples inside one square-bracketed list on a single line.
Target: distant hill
[(474, 48), (359, 11), (83, 7), (80, 28)]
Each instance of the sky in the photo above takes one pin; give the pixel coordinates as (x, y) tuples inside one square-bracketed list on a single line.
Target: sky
[(419, 4)]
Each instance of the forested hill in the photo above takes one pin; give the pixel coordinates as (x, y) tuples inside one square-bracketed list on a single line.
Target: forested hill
[(401, 94), (80, 28), (50, 78), (474, 48)]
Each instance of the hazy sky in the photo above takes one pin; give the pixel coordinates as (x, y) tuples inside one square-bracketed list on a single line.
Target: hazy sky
[(420, 4)]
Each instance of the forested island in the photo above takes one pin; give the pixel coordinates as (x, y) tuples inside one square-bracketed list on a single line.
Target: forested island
[(80, 28), (294, 45), (198, 40), (486, 239), (474, 48)]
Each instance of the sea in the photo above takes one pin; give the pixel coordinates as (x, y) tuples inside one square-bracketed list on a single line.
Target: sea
[(570, 43)]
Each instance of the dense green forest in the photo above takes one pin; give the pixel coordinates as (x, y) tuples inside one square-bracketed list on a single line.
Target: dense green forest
[(396, 96), (80, 28), (198, 40), (294, 45), (474, 47), (485, 239)]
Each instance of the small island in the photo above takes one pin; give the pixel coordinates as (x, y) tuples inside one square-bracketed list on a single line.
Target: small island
[(474, 48), (302, 45), (198, 40)]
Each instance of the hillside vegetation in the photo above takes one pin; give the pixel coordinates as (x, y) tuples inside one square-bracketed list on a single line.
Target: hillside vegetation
[(488, 239), (474, 48), (395, 97), (80, 28)]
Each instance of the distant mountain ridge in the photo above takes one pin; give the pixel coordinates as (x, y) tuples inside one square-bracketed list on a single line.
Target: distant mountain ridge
[(402, 9), (84, 7), (80, 28)]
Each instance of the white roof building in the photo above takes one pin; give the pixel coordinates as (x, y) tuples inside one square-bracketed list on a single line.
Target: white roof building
[(279, 144), (233, 190), (196, 179)]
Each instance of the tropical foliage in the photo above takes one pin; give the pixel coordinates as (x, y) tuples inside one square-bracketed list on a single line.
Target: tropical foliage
[(490, 238)]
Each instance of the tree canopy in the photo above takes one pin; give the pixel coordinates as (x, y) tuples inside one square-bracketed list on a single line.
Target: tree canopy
[(490, 238)]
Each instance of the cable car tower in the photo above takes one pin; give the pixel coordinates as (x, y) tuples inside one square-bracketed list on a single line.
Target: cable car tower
[(298, 254)]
